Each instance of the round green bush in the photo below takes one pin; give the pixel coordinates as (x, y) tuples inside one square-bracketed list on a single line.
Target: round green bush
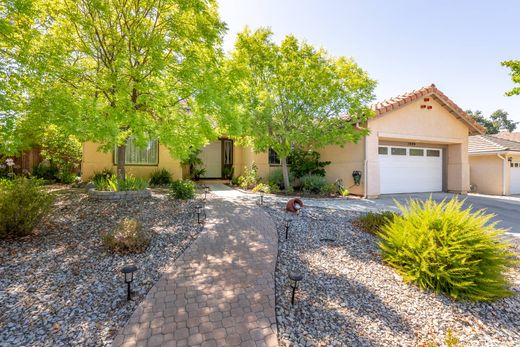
[(183, 189), (128, 236), (445, 248), (22, 204), (161, 177)]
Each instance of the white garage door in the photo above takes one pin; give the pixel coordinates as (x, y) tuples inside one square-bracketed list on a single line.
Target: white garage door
[(410, 169), (211, 157), (515, 178)]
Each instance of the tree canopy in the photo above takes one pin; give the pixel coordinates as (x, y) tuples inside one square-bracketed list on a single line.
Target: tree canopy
[(107, 70), (497, 121), (292, 95), (514, 66)]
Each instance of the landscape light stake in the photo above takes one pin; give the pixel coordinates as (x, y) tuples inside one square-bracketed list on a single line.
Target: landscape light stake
[(199, 211), (262, 198), (206, 191), (128, 271), (295, 278), (286, 228)]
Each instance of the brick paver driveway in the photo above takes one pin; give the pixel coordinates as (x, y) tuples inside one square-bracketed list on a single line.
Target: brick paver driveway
[(220, 292)]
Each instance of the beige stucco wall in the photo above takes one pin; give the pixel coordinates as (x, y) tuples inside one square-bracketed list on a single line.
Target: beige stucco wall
[(344, 160), (486, 173), (413, 124), (94, 160)]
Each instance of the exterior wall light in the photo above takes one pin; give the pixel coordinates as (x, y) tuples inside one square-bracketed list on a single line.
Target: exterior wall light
[(128, 271), (356, 175)]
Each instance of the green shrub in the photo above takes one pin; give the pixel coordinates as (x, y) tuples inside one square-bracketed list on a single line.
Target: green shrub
[(305, 163), (228, 172), (100, 177), (372, 222), (131, 183), (445, 248), (343, 191), (127, 237), (328, 189), (183, 189), (250, 177), (266, 188), (67, 176), (276, 177), (47, 172), (22, 203), (161, 177), (110, 182), (312, 183)]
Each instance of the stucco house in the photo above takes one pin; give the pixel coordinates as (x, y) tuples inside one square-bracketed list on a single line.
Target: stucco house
[(495, 163), (418, 142)]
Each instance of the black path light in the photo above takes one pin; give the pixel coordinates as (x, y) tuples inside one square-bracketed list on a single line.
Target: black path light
[(206, 191), (199, 209), (287, 225), (295, 278), (128, 271), (261, 197)]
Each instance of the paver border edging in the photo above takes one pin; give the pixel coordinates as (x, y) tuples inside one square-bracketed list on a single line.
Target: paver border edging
[(120, 195)]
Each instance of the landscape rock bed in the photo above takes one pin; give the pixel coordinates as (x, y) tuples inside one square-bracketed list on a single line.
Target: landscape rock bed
[(348, 297), (122, 195), (62, 288)]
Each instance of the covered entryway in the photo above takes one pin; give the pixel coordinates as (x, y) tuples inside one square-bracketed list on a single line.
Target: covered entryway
[(515, 178), (217, 158), (211, 157), (410, 169)]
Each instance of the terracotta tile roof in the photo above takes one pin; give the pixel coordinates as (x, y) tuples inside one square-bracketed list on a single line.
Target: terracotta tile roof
[(399, 101), (509, 136), (491, 144)]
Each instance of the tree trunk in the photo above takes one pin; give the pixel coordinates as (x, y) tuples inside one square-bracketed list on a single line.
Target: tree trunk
[(285, 173), (121, 151)]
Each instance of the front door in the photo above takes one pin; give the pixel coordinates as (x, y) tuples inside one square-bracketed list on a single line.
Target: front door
[(211, 157)]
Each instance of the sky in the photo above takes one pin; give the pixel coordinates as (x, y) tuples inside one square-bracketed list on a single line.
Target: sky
[(404, 45)]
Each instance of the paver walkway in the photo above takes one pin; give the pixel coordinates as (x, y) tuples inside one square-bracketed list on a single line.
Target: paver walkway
[(220, 291)]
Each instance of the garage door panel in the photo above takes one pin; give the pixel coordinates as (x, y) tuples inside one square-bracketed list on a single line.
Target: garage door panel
[(408, 173), (515, 178)]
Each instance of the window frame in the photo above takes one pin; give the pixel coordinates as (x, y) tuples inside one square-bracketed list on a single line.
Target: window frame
[(114, 156), (275, 156), (438, 151), (410, 151), (399, 148), (385, 148)]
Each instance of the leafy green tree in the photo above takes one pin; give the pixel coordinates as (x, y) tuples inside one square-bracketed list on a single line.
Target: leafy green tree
[(500, 118), (498, 121), (61, 149), (108, 70), (514, 66), (290, 96)]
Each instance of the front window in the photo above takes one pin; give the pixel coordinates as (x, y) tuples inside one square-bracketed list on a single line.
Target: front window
[(273, 157), (228, 152), (134, 155)]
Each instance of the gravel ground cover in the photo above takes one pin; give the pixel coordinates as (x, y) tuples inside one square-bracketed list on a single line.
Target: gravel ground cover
[(61, 287), (348, 297)]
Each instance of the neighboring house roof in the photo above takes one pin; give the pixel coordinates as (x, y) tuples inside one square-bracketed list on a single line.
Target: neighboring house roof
[(399, 101), (491, 144), (509, 136)]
